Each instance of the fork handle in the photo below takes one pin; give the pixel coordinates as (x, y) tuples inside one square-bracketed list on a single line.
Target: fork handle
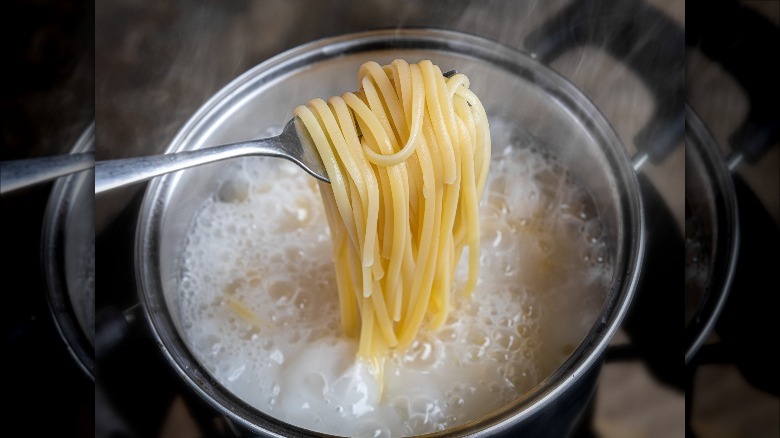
[(111, 174), (17, 174)]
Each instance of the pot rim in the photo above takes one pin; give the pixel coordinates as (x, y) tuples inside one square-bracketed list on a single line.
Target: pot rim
[(586, 355), (53, 257), (700, 141)]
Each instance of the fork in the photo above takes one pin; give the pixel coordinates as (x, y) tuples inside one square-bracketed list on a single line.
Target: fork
[(293, 144)]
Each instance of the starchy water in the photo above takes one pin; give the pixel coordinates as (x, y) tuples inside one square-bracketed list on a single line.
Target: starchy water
[(259, 304)]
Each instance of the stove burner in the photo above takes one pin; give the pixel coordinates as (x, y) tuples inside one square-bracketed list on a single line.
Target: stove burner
[(643, 38)]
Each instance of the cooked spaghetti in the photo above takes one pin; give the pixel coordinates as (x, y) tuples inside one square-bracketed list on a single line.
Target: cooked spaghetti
[(407, 156)]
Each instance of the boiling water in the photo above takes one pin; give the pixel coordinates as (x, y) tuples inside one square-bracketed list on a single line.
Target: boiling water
[(259, 305)]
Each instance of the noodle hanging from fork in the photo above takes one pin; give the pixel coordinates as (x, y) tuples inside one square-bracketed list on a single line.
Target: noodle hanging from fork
[(407, 156)]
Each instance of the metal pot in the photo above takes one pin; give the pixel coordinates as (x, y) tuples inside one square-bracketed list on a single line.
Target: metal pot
[(68, 252), (510, 84), (712, 233)]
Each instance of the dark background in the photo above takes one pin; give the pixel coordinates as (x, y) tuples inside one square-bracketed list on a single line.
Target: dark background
[(47, 101)]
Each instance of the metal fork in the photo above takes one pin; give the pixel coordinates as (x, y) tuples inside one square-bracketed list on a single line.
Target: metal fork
[(293, 144)]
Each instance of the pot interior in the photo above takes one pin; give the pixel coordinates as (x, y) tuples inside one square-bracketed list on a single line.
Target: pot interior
[(522, 98)]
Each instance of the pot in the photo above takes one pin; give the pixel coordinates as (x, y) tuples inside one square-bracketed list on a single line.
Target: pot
[(511, 85), (68, 253), (712, 233)]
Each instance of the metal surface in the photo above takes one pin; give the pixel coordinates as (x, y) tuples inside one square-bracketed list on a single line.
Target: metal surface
[(19, 174), (290, 145), (68, 254), (712, 225)]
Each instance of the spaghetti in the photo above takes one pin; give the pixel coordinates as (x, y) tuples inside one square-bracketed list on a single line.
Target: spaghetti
[(407, 156)]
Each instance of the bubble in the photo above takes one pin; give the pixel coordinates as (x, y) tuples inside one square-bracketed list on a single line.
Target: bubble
[(401, 407), (281, 290), (277, 356), (236, 373), (455, 402), (423, 354), (372, 429), (417, 424)]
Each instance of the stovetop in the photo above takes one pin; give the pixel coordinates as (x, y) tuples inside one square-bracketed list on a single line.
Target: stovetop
[(156, 63)]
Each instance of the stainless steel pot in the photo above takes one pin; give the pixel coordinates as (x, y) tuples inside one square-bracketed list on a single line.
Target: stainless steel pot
[(712, 233), (511, 84), (68, 252)]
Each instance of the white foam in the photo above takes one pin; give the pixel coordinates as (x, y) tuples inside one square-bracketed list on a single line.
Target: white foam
[(262, 242)]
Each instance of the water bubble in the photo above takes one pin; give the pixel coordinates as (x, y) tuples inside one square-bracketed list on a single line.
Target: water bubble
[(455, 402), (277, 356), (236, 373), (417, 424), (423, 354), (281, 290), (401, 407)]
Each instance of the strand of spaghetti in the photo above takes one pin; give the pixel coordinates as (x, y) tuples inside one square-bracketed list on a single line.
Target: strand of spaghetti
[(347, 303), (483, 149), (383, 318), (352, 259), (431, 169), (346, 123), (418, 103), (372, 72), (399, 200), (375, 102), (366, 328), (408, 267), (366, 270), (442, 298), (357, 187), (449, 211), (418, 249), (343, 276), (375, 137), (456, 81), (385, 213), (433, 105), (470, 208), (468, 136), (410, 324), (448, 114), (466, 116), (378, 351), (401, 71), (338, 182), (423, 278), (403, 76)]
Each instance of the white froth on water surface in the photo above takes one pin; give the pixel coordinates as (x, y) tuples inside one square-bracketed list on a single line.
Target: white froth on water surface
[(259, 303)]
